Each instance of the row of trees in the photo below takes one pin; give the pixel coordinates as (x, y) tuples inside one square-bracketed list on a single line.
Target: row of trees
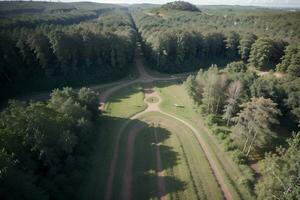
[(32, 21), (18, 14), (263, 100), (173, 46), (180, 50), (261, 22), (48, 56), (45, 146), (245, 112), (290, 62)]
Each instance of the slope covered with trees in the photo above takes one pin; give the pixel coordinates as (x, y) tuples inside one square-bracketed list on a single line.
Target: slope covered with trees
[(48, 56), (180, 40), (180, 5)]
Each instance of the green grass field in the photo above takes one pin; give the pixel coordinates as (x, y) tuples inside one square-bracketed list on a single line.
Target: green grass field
[(126, 102), (175, 94), (187, 173), (121, 105)]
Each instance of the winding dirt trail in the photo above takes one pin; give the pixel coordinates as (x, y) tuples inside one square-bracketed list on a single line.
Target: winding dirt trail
[(127, 178), (144, 77)]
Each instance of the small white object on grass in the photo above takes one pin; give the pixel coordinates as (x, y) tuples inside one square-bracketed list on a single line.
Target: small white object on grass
[(181, 106)]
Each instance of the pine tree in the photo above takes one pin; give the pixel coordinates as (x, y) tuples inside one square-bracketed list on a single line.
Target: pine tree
[(254, 123)]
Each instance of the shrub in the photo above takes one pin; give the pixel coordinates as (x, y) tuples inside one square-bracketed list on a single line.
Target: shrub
[(238, 157), (222, 136), (229, 145), (246, 182), (211, 119)]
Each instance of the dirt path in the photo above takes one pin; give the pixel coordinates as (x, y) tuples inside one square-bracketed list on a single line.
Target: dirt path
[(127, 178), (213, 166), (150, 107), (159, 171)]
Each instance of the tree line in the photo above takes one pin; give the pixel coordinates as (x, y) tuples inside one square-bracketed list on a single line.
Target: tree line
[(245, 111), (49, 56), (180, 51), (238, 95), (175, 43), (45, 147)]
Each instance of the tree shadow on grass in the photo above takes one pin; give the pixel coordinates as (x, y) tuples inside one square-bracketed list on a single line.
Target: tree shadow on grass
[(145, 168), (125, 93), (145, 179)]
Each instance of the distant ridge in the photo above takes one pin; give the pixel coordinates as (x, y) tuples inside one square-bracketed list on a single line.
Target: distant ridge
[(180, 5)]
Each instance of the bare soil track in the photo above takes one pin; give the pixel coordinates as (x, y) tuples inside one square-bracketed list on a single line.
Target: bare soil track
[(160, 181), (149, 92)]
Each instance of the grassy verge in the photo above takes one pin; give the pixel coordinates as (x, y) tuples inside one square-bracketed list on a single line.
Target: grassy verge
[(187, 173), (108, 127), (144, 166), (126, 102), (233, 173)]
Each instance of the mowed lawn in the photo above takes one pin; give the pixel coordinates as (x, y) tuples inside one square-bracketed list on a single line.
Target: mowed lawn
[(187, 174), (172, 94), (121, 105), (126, 102)]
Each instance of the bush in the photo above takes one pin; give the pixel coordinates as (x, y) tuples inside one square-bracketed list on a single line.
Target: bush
[(246, 182), (238, 157), (211, 119), (229, 145), (222, 136)]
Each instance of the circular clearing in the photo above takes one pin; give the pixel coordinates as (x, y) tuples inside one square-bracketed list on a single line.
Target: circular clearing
[(152, 99)]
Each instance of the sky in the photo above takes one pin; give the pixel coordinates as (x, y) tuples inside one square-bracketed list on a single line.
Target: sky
[(289, 3)]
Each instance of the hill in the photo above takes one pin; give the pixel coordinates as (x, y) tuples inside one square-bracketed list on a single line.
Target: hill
[(180, 5)]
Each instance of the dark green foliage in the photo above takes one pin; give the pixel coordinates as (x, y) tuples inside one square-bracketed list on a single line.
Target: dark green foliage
[(232, 44), (177, 51), (292, 97), (238, 156), (266, 86), (236, 67), (266, 53), (245, 45), (33, 14), (290, 62), (45, 146), (51, 56), (227, 35), (281, 172), (214, 45), (180, 5)]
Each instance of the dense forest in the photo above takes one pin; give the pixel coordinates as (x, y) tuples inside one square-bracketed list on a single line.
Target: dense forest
[(180, 40), (247, 86), (251, 114), (39, 162), (51, 49)]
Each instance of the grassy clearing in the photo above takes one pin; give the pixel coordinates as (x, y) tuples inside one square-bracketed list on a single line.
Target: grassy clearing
[(126, 102), (144, 166), (175, 94), (95, 186), (187, 173)]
